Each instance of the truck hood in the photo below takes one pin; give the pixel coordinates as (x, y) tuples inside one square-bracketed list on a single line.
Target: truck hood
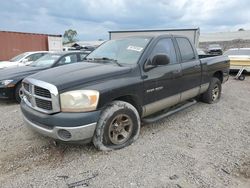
[(17, 73), (77, 74)]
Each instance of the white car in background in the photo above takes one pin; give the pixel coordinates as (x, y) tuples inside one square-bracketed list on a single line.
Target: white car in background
[(22, 59)]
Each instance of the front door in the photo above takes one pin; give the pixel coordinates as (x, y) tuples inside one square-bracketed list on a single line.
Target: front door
[(162, 83)]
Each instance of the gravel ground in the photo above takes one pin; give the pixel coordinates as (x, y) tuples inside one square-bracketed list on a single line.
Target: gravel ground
[(202, 146)]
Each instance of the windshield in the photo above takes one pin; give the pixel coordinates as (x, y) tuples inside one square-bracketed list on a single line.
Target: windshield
[(46, 61), (18, 57), (123, 51), (238, 52)]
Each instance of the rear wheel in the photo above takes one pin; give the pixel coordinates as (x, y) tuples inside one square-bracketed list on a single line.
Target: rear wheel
[(118, 126), (212, 95), (18, 92), (242, 77)]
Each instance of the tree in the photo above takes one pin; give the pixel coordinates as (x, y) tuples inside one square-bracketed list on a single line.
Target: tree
[(241, 29), (70, 36)]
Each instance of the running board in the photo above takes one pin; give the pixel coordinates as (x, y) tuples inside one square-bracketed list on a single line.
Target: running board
[(161, 116)]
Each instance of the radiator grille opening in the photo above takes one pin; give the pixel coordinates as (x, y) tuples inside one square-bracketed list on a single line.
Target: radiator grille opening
[(47, 105), (42, 92)]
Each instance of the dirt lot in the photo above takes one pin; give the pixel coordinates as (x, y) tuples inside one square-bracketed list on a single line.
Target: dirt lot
[(203, 146)]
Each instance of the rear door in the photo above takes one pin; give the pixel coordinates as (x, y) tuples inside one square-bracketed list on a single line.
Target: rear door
[(191, 69), (161, 83)]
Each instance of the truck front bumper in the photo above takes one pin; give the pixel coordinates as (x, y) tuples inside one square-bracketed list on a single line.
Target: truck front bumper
[(66, 127)]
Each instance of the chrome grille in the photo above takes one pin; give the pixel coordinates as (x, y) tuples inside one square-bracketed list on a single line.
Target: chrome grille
[(28, 97), (47, 105), (26, 87), (41, 96), (42, 92)]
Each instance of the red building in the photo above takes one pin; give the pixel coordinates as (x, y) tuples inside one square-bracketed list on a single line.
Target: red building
[(14, 43)]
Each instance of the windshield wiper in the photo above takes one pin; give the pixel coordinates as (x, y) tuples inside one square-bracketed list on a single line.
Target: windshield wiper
[(104, 59)]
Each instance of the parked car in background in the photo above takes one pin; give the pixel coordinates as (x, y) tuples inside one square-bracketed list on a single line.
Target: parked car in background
[(122, 83), (11, 78), (239, 58), (86, 49), (214, 49), (23, 59), (66, 48), (200, 51)]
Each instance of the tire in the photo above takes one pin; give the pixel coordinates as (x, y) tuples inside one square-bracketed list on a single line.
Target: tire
[(213, 94), (18, 92), (242, 77), (118, 126)]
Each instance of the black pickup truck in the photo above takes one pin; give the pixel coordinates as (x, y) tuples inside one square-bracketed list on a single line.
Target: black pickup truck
[(122, 83)]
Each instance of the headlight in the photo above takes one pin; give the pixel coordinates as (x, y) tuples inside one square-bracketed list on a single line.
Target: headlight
[(5, 82), (79, 101)]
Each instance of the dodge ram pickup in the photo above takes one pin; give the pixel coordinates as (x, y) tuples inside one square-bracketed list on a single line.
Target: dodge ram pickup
[(122, 83)]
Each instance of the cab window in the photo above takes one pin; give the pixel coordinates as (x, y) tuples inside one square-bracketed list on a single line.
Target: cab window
[(165, 46), (186, 50)]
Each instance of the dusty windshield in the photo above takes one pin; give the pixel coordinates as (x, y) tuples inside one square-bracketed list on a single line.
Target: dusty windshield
[(46, 61), (123, 51)]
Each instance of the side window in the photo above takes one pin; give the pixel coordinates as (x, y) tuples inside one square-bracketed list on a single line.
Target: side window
[(68, 59), (186, 50), (34, 57), (31, 57), (166, 46)]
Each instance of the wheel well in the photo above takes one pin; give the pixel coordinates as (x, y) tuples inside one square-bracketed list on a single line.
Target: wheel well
[(131, 100), (19, 82), (219, 75)]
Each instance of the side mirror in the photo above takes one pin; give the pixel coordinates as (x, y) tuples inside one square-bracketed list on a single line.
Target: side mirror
[(160, 59)]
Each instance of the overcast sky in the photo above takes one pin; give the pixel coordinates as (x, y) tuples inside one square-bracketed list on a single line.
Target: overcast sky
[(94, 18)]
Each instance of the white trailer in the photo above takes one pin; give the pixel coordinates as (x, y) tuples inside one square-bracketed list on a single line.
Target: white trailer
[(192, 34)]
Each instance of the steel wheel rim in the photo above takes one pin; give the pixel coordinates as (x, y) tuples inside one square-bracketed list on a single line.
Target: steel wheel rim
[(120, 129), (215, 92)]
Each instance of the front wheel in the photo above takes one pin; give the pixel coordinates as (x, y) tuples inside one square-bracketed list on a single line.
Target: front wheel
[(213, 94), (18, 92), (118, 126)]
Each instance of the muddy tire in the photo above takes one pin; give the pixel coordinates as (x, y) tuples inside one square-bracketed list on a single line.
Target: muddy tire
[(118, 126), (18, 92), (212, 95)]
